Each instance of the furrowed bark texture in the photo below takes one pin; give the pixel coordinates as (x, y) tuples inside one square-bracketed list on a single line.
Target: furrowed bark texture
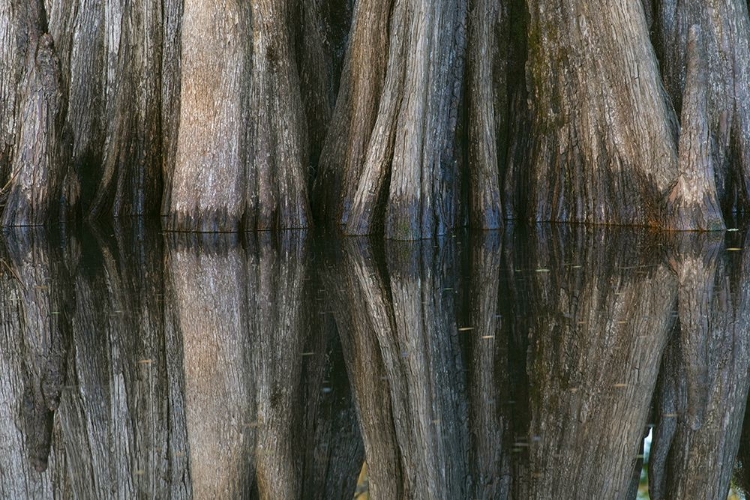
[(725, 28), (355, 112), (602, 148), (320, 44), (404, 146), (208, 183), (487, 98), (596, 331), (277, 180), (37, 168), (12, 55), (207, 287), (488, 380), (703, 383), (361, 307), (118, 374), (112, 53), (33, 356), (692, 203)]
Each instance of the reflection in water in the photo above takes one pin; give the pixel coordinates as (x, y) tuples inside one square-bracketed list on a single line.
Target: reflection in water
[(704, 379), (523, 364), (596, 314)]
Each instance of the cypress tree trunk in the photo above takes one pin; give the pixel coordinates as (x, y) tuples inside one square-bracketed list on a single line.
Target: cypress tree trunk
[(487, 89), (277, 179), (601, 145), (208, 183), (37, 168), (692, 203), (725, 45), (404, 91), (703, 389)]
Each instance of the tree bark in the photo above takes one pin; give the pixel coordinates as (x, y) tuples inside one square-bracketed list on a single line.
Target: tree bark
[(32, 191), (703, 388), (487, 97), (692, 202), (725, 27), (596, 331), (404, 147), (208, 182), (277, 181), (601, 136)]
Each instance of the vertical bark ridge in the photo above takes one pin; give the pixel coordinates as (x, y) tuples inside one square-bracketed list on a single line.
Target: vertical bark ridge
[(422, 199), (170, 94), (692, 203), (208, 184), (488, 106), (725, 30), (603, 149), (356, 111), (280, 150), (37, 169)]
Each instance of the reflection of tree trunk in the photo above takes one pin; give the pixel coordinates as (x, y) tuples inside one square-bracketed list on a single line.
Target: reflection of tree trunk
[(277, 294), (361, 306), (405, 369), (207, 284), (488, 376), (426, 373), (118, 421), (46, 314), (704, 378), (35, 314), (334, 452), (597, 325)]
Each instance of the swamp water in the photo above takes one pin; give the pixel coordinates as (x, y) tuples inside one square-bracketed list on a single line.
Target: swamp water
[(524, 364)]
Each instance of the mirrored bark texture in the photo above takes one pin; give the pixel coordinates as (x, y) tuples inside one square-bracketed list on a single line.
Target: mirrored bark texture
[(597, 311), (397, 321), (703, 385), (199, 369), (519, 365), (406, 118)]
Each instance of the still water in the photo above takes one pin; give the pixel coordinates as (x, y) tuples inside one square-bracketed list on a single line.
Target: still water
[(523, 364)]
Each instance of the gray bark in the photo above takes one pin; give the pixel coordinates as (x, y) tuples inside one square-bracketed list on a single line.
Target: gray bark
[(725, 27), (704, 383), (596, 330), (35, 317), (600, 144), (488, 55), (32, 190), (208, 182), (410, 81)]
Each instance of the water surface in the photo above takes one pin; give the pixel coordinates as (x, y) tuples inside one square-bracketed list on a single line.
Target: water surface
[(524, 364)]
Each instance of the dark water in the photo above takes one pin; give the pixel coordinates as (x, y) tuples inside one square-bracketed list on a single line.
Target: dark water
[(524, 364)]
